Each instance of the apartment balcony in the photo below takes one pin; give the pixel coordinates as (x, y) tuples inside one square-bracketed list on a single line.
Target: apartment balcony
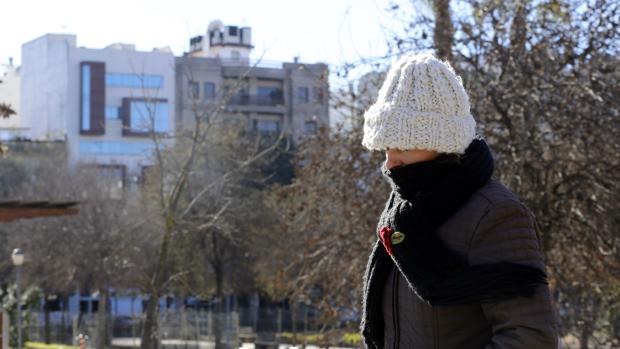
[(257, 103), (256, 100)]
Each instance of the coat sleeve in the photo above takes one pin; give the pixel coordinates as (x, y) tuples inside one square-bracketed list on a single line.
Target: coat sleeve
[(506, 233)]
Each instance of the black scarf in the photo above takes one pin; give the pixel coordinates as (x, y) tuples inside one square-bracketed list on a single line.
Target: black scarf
[(424, 196)]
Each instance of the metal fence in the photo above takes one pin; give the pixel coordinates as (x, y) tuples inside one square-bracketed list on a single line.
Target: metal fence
[(181, 326), (186, 328)]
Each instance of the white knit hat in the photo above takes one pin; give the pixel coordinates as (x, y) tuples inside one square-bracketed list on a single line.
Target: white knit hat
[(421, 105)]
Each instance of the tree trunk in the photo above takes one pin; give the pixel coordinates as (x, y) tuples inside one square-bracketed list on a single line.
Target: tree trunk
[(102, 319), (218, 270), (149, 331), (443, 36), (293, 309), (586, 332)]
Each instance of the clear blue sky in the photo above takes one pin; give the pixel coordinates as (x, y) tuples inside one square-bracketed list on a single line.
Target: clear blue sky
[(331, 31)]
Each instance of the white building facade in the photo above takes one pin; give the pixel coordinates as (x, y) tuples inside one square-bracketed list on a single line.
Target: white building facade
[(103, 102)]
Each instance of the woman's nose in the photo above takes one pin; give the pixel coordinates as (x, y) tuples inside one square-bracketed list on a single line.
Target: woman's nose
[(392, 162)]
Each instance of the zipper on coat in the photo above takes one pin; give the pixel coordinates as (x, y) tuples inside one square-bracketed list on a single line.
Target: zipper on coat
[(395, 309)]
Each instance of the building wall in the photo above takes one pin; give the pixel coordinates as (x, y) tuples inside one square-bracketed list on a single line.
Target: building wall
[(44, 86), (195, 70), (118, 148), (313, 108), (283, 111), (52, 98)]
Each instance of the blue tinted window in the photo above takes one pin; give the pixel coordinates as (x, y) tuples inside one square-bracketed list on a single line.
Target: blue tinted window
[(111, 112), (88, 147), (144, 114), (86, 97), (134, 80)]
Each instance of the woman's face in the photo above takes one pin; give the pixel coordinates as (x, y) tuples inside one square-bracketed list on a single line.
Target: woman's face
[(396, 158)]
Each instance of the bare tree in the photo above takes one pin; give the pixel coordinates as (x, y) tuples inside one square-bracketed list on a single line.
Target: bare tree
[(327, 215), (189, 185), (540, 76), (86, 252)]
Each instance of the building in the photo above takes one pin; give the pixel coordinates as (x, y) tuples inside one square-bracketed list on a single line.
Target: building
[(102, 102), (11, 127), (268, 97), (106, 103)]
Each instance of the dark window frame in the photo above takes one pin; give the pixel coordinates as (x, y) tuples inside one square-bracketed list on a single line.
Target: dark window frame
[(126, 116)]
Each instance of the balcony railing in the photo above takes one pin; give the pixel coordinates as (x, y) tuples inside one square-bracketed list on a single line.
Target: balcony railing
[(256, 100)]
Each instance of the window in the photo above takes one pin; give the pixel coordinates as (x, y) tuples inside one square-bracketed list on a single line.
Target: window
[(193, 90), (92, 98), (85, 97), (235, 55), (134, 80), (232, 30), (111, 112), (144, 116), (270, 95), (209, 91), (90, 147), (266, 126), (302, 94), (241, 97), (84, 306), (310, 128)]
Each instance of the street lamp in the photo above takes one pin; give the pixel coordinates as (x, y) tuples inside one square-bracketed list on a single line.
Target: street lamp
[(18, 259)]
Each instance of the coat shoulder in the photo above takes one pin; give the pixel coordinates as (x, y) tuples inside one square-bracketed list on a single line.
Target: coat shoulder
[(458, 232), (506, 232), (495, 193)]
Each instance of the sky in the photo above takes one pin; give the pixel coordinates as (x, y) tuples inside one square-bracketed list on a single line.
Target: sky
[(329, 31)]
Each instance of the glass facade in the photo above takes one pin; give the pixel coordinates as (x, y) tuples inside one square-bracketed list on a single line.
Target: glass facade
[(85, 97), (111, 112), (134, 80), (92, 147), (144, 114)]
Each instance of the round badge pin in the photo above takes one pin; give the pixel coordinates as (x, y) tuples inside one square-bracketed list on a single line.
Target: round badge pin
[(397, 238)]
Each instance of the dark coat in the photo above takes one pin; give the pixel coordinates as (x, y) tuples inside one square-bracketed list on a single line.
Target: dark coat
[(493, 226)]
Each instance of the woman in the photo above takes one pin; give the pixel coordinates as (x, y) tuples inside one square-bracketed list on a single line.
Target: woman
[(457, 263)]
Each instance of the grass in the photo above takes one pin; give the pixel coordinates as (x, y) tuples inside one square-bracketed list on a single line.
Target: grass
[(37, 345), (347, 338)]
